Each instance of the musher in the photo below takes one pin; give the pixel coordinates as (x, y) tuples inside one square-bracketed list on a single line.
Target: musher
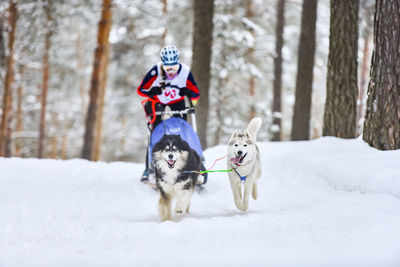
[(166, 84)]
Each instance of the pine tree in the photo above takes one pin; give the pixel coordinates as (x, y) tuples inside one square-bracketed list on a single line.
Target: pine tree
[(5, 130), (19, 117), (100, 111), (340, 115), (99, 60), (304, 79), (2, 45), (202, 41), (382, 118), (276, 106), (46, 71)]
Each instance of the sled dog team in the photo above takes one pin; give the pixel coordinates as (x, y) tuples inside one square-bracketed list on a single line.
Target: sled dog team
[(177, 168)]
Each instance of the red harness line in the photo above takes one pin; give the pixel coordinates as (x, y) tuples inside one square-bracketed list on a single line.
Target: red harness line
[(153, 108), (216, 162)]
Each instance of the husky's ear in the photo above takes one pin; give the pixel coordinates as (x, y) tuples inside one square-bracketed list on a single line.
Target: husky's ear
[(248, 135), (235, 134)]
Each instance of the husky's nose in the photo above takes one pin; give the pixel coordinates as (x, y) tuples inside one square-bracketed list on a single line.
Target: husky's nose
[(239, 153), (170, 156)]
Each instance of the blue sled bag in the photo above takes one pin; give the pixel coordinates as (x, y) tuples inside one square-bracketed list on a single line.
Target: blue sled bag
[(176, 126)]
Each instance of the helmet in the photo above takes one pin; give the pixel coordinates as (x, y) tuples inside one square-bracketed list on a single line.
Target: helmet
[(169, 55)]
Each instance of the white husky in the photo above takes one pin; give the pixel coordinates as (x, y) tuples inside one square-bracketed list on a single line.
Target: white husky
[(244, 159)]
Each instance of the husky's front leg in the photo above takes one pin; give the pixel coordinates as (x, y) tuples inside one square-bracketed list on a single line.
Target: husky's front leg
[(164, 207), (183, 201), (255, 191), (237, 191), (248, 188)]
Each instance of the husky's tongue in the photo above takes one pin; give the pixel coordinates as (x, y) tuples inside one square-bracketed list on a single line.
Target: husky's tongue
[(171, 162), (236, 160)]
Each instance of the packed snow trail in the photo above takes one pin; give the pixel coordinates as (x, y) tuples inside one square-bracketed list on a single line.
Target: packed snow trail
[(327, 202)]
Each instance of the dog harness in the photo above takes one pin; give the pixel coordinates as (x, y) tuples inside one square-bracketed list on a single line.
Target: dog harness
[(242, 178)]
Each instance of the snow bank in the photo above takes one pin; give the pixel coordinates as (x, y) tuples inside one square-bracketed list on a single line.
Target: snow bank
[(349, 165), (327, 202)]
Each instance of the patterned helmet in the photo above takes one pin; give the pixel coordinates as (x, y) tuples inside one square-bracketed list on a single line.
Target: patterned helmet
[(169, 55)]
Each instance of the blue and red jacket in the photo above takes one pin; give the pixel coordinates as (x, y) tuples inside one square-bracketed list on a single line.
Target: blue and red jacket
[(170, 95)]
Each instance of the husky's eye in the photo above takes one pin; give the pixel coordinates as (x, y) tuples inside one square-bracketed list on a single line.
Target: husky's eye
[(236, 145), (174, 148), (166, 148), (245, 145)]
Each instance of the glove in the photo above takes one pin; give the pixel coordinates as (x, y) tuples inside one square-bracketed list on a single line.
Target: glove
[(156, 90), (184, 91)]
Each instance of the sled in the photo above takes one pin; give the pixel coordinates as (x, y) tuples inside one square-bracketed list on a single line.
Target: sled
[(171, 125)]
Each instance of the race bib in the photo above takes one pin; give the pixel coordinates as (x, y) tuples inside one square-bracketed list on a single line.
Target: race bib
[(169, 94)]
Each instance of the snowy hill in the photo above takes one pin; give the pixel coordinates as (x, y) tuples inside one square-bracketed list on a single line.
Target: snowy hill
[(327, 202)]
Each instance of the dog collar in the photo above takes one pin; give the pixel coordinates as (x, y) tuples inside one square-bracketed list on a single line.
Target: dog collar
[(242, 178)]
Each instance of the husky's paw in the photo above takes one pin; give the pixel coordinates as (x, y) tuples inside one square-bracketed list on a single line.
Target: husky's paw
[(179, 211), (242, 208), (239, 205), (165, 218)]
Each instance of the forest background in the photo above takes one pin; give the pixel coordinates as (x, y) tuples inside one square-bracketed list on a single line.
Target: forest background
[(53, 49)]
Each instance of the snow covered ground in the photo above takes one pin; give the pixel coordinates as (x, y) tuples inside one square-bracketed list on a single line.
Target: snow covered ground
[(327, 202)]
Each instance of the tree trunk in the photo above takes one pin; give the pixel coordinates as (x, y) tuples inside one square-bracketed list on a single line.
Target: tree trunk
[(99, 58), (8, 147), (2, 45), (304, 79), (202, 42), (5, 130), (382, 119), (99, 117), (340, 117), (276, 106), (19, 125), (46, 69), (54, 140)]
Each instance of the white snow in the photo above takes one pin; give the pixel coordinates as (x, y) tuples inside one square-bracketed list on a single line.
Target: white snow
[(327, 202)]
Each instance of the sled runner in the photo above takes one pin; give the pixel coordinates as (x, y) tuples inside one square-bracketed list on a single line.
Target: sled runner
[(172, 123)]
